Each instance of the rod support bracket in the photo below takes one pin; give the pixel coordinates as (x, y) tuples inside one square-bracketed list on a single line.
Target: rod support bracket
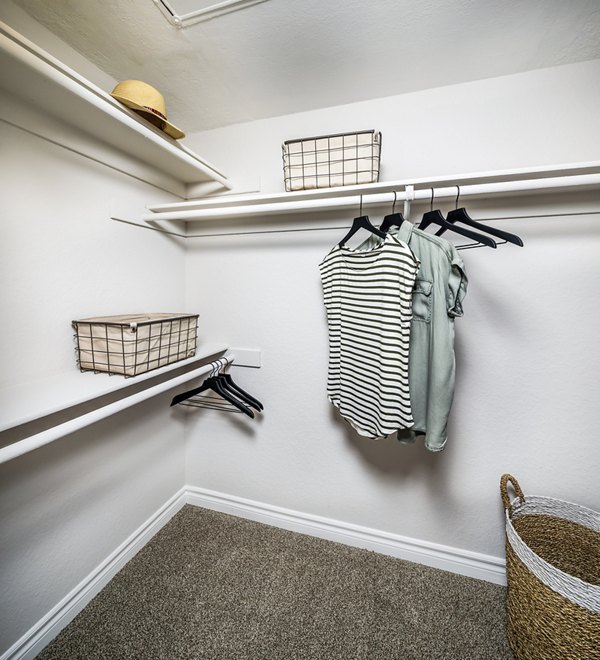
[(409, 196)]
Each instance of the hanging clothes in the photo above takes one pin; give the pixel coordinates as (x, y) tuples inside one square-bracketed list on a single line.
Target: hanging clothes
[(368, 298), (440, 287)]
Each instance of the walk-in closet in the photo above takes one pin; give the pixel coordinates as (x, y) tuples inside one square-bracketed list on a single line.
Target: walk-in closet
[(299, 335)]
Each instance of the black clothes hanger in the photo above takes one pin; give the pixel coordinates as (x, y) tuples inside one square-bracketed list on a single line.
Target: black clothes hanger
[(212, 383), (393, 219), (461, 215), (229, 383), (218, 387), (436, 217), (362, 222)]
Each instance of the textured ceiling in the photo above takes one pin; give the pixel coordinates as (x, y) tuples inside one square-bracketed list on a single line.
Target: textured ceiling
[(285, 56)]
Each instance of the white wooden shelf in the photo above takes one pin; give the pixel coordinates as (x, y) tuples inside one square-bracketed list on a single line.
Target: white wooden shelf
[(36, 77), (32, 401), (570, 176)]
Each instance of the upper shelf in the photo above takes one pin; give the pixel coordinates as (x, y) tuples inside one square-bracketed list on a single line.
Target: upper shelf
[(565, 177), (31, 74)]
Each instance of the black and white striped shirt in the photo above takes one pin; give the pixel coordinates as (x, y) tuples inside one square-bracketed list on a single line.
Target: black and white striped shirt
[(368, 297)]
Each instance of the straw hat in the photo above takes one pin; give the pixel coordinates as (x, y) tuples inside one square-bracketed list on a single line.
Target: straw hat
[(148, 102)]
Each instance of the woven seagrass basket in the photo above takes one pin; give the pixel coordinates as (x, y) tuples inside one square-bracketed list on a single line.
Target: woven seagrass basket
[(553, 572)]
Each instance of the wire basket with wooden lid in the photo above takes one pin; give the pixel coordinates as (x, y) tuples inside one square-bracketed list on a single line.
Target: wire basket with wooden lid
[(132, 344)]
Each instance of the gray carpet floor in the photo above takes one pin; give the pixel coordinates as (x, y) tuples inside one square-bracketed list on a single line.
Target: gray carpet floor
[(209, 585)]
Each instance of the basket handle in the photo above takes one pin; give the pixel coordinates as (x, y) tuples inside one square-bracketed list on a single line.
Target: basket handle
[(504, 481)]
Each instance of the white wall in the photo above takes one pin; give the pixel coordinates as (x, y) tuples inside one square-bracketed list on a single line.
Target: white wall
[(527, 351), (541, 117), (66, 507)]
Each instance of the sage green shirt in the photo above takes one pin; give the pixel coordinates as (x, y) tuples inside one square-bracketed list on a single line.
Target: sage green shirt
[(440, 288)]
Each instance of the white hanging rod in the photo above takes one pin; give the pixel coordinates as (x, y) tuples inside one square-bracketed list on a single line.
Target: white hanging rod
[(49, 435), (262, 205)]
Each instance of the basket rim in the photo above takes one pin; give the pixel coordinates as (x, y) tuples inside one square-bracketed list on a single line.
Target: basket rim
[(574, 589), (127, 319), (518, 505), (332, 135)]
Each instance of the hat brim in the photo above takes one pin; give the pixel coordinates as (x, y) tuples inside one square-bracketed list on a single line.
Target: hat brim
[(166, 126)]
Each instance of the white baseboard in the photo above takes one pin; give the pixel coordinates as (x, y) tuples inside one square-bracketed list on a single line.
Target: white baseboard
[(455, 560), (47, 628), (463, 562)]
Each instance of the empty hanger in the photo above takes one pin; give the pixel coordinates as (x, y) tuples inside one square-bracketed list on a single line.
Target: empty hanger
[(214, 384), (435, 217), (229, 384), (461, 215), (237, 390), (393, 219), (362, 222)]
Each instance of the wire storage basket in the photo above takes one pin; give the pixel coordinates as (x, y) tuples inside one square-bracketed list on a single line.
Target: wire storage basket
[(327, 161), (553, 572), (130, 345)]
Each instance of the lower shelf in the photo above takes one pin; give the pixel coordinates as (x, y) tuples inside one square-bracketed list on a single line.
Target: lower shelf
[(32, 401)]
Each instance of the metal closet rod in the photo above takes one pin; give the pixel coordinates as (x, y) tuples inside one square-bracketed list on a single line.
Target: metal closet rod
[(262, 208)]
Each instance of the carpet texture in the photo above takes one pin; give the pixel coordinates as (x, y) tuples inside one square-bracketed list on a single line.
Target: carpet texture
[(209, 585)]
